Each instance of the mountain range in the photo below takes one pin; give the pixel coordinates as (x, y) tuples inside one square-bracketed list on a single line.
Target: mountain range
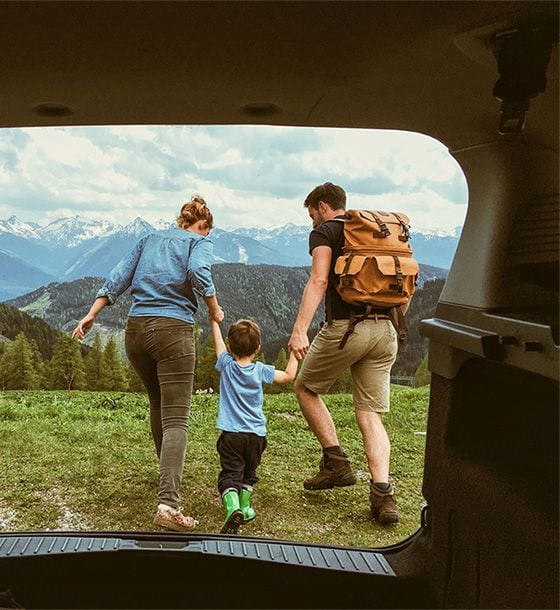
[(70, 248)]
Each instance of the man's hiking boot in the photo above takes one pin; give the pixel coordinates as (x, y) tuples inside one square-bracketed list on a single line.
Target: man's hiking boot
[(335, 471), (383, 504), (173, 519), (234, 514)]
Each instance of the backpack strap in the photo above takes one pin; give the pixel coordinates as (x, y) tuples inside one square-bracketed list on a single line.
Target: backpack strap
[(383, 228), (398, 287), (405, 228), (352, 321), (397, 320)]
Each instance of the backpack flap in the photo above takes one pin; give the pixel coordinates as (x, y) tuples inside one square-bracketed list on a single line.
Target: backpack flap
[(381, 281), (376, 230), (397, 276), (349, 264)]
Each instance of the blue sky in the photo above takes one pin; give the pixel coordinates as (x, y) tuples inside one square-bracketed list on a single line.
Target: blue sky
[(249, 175)]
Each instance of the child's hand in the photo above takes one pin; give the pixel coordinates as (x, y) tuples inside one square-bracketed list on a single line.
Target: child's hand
[(216, 314)]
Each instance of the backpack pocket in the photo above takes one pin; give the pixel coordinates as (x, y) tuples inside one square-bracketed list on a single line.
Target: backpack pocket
[(381, 281)]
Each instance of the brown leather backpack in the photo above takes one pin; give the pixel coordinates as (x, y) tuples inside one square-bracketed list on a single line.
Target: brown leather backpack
[(376, 268)]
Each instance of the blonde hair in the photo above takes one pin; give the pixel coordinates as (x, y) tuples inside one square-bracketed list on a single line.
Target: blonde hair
[(193, 211)]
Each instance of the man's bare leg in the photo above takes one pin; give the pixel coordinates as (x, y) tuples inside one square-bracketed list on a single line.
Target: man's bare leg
[(317, 415), (335, 467), (376, 444), (378, 452)]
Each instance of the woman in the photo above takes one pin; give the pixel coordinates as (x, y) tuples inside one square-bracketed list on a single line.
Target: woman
[(164, 271)]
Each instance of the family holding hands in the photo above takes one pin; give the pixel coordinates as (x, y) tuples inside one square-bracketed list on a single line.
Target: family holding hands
[(166, 272)]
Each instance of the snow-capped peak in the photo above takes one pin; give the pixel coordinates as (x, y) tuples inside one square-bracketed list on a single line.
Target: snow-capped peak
[(264, 234), (17, 227), (137, 227), (73, 230), (162, 225)]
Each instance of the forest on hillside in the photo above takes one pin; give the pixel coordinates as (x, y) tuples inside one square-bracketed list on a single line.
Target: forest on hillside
[(268, 293)]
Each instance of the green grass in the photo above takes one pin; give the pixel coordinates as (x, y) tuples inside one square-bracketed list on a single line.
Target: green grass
[(69, 463)]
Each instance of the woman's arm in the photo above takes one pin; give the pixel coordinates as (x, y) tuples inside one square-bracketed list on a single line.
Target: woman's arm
[(215, 312), (122, 274), (87, 322)]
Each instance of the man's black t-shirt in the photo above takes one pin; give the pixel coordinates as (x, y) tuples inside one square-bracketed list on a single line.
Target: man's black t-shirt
[(331, 233)]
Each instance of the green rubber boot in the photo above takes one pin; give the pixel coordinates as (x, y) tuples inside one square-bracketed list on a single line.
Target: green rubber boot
[(234, 515), (245, 504)]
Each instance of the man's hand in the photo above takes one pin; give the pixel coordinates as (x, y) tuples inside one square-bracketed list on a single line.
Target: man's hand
[(298, 344), (83, 326)]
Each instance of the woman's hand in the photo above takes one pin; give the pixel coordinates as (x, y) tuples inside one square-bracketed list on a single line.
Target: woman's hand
[(216, 313), (87, 322), (83, 326)]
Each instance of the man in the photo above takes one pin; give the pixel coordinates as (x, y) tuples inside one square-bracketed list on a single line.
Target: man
[(369, 352)]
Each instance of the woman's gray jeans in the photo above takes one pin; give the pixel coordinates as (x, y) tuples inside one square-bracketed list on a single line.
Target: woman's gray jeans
[(162, 352)]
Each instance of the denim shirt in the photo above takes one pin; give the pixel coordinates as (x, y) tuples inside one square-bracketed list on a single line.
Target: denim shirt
[(164, 270)]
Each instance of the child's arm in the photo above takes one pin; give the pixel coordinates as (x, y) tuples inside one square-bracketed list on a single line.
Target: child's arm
[(290, 372), (218, 339)]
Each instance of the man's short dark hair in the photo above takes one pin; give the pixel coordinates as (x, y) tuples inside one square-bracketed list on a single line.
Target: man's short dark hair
[(244, 338), (329, 193)]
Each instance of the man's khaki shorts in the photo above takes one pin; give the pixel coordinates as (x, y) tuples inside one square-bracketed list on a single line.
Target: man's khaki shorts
[(370, 353)]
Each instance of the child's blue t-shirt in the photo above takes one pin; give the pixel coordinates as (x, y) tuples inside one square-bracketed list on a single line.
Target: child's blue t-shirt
[(241, 395)]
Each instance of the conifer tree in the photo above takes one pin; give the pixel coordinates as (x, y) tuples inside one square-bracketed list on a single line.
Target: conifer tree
[(17, 368), (116, 375), (281, 360), (67, 366), (134, 382), (206, 376), (422, 375), (39, 365), (95, 367), (280, 363)]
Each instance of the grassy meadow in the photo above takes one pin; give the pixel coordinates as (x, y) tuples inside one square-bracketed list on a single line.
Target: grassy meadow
[(77, 461)]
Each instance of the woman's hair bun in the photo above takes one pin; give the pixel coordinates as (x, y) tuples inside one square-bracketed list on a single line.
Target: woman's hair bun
[(194, 210)]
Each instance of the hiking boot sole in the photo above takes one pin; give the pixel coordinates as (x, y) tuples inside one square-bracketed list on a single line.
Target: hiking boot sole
[(386, 518), (170, 525), (329, 483), (232, 524)]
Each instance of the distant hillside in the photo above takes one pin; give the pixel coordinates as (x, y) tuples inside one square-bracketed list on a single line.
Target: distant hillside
[(268, 293), (13, 321)]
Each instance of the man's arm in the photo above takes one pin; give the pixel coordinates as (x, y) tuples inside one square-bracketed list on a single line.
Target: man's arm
[(218, 339), (313, 294), (290, 373)]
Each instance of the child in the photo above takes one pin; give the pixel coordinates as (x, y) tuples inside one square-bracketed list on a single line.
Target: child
[(240, 416)]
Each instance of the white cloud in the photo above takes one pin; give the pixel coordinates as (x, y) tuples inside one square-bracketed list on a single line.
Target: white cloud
[(134, 132), (426, 209), (58, 146), (250, 176)]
